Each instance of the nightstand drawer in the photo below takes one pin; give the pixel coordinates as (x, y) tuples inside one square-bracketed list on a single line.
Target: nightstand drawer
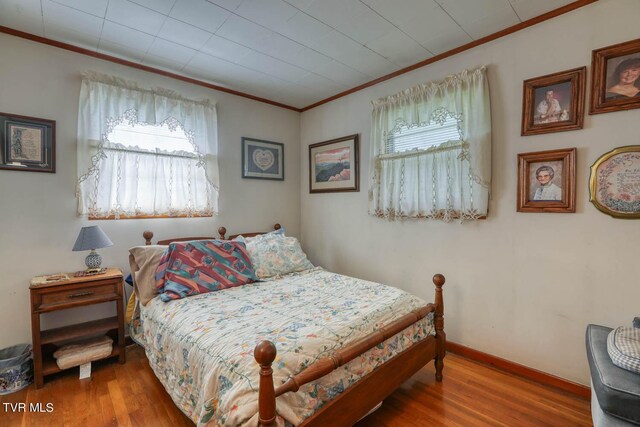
[(77, 296)]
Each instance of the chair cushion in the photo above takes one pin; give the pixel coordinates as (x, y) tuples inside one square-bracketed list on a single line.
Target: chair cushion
[(618, 390), (623, 345)]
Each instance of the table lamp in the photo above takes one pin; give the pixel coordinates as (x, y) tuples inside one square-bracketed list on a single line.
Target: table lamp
[(92, 238)]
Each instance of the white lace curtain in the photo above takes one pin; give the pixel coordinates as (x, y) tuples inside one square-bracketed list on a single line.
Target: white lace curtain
[(115, 182), (449, 181)]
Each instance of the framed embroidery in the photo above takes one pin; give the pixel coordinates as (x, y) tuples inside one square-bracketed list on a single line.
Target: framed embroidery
[(27, 143), (262, 159), (554, 103), (614, 185), (547, 181), (615, 79), (333, 165)]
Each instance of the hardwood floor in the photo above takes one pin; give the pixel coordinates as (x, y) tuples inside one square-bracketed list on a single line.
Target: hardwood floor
[(470, 395)]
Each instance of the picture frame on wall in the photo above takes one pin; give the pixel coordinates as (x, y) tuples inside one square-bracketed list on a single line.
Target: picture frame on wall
[(547, 181), (27, 143), (614, 184), (615, 79), (262, 159), (334, 165), (554, 103)]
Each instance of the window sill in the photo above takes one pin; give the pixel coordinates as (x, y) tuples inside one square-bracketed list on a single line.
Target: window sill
[(113, 217)]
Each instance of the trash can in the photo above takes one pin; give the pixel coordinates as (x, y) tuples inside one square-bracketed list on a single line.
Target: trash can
[(16, 368)]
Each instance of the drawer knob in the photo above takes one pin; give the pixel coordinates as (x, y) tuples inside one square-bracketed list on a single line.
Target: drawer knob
[(80, 294)]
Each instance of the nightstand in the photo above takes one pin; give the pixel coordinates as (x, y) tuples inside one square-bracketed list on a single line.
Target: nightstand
[(75, 292)]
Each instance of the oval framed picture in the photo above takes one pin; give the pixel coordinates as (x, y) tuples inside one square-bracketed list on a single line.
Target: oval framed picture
[(614, 185)]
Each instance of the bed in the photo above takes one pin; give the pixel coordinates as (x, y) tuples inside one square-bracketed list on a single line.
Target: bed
[(311, 348)]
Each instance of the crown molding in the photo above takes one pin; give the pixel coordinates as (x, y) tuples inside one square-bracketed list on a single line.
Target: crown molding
[(131, 64), (525, 24)]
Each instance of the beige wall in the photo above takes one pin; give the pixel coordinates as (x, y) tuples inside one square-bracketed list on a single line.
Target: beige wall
[(38, 223), (521, 286)]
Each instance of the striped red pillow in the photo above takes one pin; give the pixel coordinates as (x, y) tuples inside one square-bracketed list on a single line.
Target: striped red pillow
[(200, 266)]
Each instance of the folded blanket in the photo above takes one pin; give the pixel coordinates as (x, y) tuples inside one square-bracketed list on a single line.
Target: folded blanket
[(81, 352)]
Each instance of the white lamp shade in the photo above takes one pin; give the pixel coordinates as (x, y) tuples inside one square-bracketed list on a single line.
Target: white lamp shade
[(91, 238)]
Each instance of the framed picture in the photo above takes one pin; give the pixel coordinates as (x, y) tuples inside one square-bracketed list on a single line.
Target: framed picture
[(547, 181), (27, 143), (554, 103), (262, 159), (614, 185), (333, 165), (615, 80)]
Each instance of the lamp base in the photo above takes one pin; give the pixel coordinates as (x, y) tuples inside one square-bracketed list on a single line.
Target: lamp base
[(93, 261)]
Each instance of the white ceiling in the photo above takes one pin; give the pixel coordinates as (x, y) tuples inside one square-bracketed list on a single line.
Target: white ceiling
[(295, 52)]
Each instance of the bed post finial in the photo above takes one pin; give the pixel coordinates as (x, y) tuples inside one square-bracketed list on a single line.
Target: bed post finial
[(148, 235), (265, 353), (441, 337), (222, 232), (277, 226)]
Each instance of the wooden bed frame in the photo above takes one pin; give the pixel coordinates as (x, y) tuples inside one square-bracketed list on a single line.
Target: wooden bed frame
[(359, 399)]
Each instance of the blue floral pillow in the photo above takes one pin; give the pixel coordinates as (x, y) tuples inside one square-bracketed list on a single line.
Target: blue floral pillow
[(274, 255), (275, 233)]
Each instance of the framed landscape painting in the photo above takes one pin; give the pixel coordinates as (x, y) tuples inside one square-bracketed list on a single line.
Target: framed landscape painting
[(333, 165)]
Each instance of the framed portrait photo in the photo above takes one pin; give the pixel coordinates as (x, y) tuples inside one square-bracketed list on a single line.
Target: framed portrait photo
[(27, 143), (554, 103), (614, 184), (262, 159), (615, 79), (333, 165), (547, 181)]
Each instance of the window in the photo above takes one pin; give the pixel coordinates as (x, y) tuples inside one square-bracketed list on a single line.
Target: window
[(155, 159), (146, 138), (431, 151), (405, 137)]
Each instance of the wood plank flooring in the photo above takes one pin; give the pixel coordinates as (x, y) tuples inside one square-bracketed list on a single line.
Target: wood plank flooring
[(472, 394)]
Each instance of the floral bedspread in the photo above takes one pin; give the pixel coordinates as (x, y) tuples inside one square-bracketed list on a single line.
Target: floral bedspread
[(201, 347)]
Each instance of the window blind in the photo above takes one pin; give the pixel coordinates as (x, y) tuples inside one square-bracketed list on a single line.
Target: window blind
[(421, 137)]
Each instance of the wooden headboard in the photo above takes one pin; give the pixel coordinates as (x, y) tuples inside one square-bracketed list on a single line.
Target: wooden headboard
[(222, 231)]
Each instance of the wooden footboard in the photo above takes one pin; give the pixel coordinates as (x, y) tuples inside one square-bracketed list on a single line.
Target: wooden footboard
[(354, 403)]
